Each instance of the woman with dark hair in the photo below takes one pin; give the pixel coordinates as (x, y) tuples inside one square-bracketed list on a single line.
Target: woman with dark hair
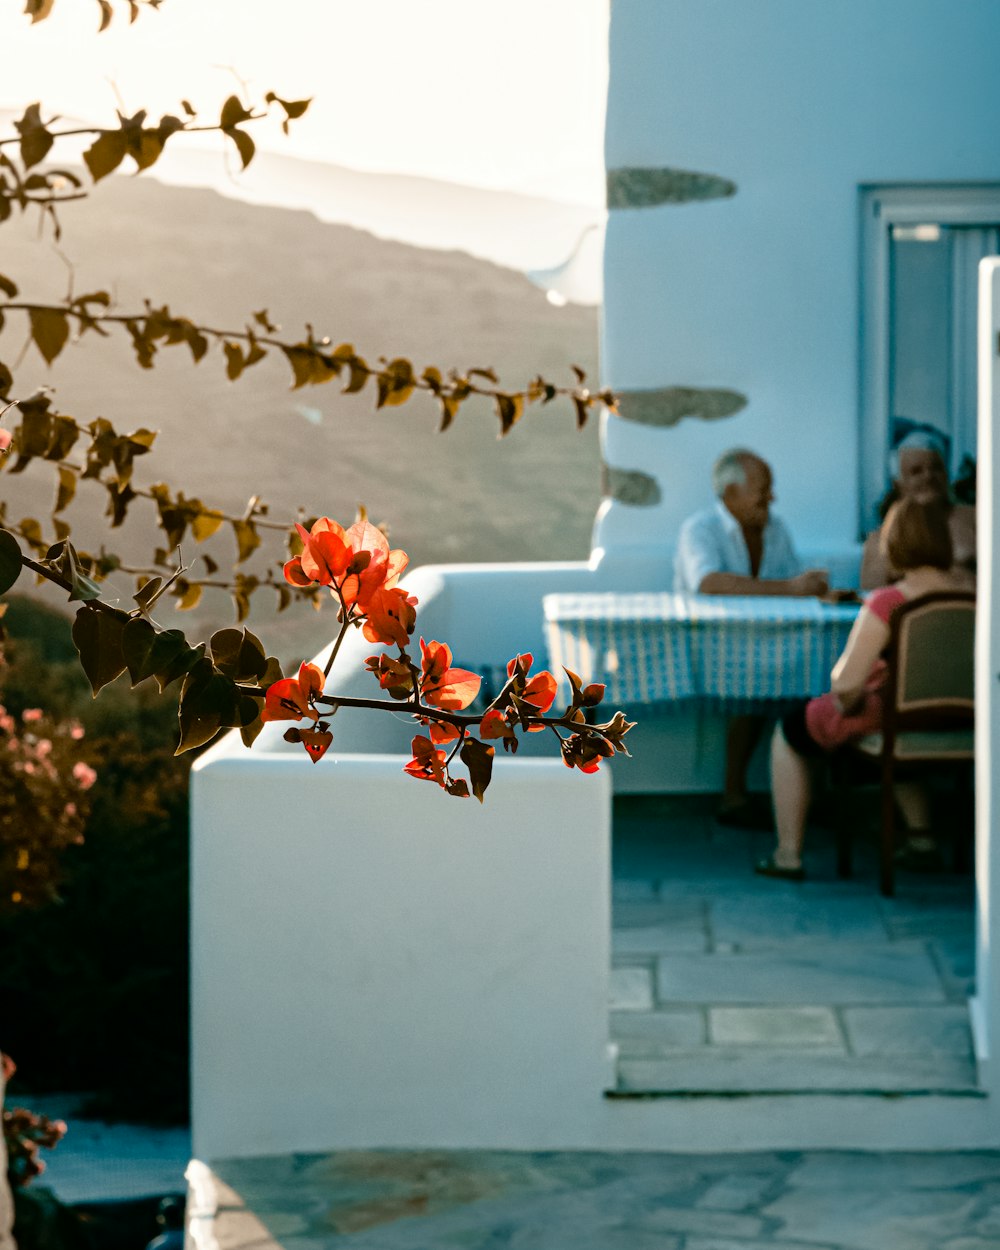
[(916, 540)]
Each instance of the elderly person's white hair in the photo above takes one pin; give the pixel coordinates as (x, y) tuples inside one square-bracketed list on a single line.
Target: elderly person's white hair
[(917, 440), (731, 469)]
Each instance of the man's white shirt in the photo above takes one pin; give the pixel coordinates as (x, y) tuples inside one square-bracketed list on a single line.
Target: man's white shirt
[(712, 541)]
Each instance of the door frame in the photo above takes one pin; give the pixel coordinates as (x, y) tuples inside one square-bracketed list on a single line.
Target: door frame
[(882, 207)]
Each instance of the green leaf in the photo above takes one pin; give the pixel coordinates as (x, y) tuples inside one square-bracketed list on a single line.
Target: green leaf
[(233, 113), (106, 153), (144, 146), (66, 489), (35, 139), (188, 594), (509, 410), (163, 654), (205, 524), (239, 654), (359, 375), (247, 539), (302, 361), (183, 661), (50, 330), (234, 360), (478, 758), (146, 595), (97, 636), (10, 560), (63, 433), (209, 702), (244, 145)]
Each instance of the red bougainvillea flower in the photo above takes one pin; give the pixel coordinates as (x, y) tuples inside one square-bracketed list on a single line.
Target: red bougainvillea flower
[(494, 725), (450, 689), (288, 699), (393, 675), (357, 561), (427, 763), (326, 555), (585, 753), (441, 732), (316, 742), (522, 662), (540, 691), (382, 569), (391, 616)]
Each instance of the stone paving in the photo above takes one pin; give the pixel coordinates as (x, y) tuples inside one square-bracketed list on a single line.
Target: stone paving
[(722, 980), (488, 1200)]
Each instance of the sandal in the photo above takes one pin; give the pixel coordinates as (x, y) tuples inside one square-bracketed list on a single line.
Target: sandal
[(768, 868), (919, 859)]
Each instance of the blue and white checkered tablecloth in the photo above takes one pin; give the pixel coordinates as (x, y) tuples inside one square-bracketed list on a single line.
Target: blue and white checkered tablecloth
[(730, 649)]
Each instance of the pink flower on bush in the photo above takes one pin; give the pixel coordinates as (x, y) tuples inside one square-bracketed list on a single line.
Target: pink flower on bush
[(76, 732), (84, 775), (31, 714)]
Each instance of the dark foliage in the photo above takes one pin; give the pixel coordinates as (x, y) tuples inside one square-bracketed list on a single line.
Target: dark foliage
[(95, 987)]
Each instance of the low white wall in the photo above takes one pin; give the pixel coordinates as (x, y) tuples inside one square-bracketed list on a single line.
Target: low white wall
[(376, 964)]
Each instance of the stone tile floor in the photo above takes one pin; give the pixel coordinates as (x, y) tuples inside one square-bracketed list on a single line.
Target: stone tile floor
[(723, 980), (488, 1200), (845, 987)]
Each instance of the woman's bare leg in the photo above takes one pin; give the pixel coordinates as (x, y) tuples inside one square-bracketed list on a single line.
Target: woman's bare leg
[(791, 789)]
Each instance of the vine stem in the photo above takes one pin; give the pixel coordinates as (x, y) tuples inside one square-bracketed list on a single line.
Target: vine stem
[(113, 130), (468, 387)]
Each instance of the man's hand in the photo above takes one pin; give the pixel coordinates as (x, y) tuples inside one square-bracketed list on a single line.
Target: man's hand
[(812, 582)]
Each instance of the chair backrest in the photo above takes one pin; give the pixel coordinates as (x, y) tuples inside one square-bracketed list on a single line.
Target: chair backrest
[(932, 661)]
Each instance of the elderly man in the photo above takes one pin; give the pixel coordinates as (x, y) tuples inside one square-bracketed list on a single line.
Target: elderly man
[(918, 472), (736, 547)]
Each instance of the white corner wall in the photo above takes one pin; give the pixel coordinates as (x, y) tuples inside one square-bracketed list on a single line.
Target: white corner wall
[(799, 104), (985, 1006)]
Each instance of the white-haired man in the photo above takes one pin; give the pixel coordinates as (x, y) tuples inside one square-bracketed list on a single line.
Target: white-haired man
[(736, 547), (917, 468)]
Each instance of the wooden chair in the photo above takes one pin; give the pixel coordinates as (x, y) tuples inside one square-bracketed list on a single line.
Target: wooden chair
[(929, 709)]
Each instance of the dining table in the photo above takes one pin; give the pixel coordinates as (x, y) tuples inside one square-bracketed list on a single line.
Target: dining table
[(737, 652)]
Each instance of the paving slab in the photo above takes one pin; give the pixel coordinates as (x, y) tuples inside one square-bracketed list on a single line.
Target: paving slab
[(750, 923), (895, 1171), (738, 1192), (647, 1033), (630, 989), (642, 912), (687, 934), (930, 1030), (863, 1220), (741, 1243), (956, 961), (639, 890), (814, 975), (497, 1200), (774, 1026), (772, 1069)]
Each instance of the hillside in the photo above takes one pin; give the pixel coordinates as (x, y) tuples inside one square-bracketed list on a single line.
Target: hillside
[(463, 495)]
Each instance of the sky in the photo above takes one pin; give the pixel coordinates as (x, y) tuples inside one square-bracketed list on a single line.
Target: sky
[(505, 96)]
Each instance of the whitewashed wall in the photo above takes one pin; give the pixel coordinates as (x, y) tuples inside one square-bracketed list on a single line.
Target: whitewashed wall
[(797, 104)]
